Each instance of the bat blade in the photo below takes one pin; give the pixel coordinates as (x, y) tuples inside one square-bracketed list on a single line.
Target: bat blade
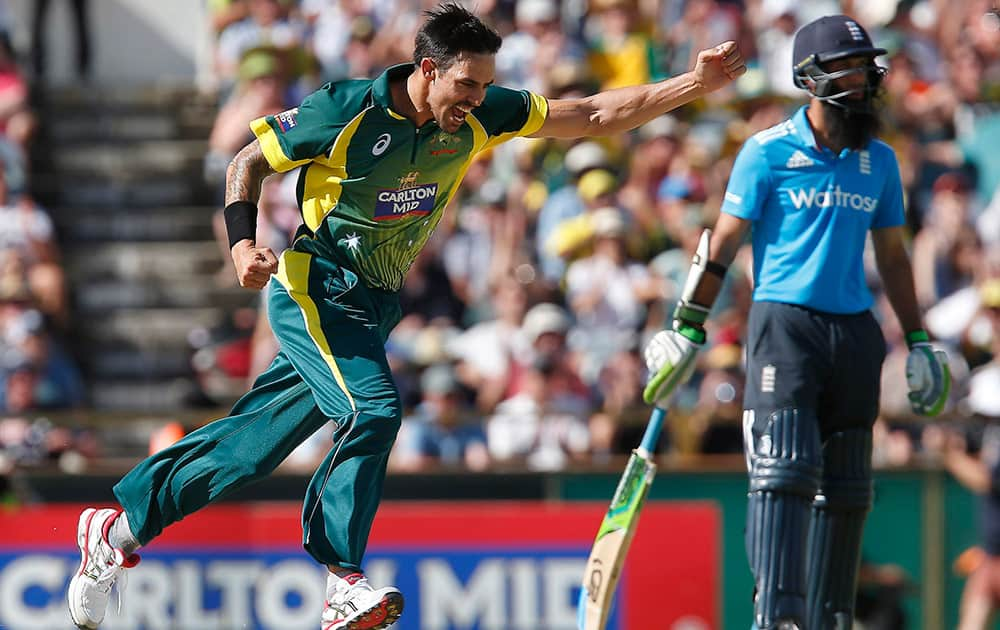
[(610, 548)]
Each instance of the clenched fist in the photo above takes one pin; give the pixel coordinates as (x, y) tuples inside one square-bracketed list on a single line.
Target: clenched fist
[(717, 67), (254, 265)]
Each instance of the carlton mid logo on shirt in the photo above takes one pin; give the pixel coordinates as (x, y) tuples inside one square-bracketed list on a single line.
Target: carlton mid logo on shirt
[(831, 197), (409, 198)]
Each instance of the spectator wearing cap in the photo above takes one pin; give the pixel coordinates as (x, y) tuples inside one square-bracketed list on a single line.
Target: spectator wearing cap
[(566, 203), (267, 25), (608, 292), (261, 89), (441, 431), (545, 332), (569, 78), (573, 236), (539, 427)]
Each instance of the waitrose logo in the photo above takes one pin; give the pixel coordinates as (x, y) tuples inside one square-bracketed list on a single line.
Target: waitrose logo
[(831, 197)]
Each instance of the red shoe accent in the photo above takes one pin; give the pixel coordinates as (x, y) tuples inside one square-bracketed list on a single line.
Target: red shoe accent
[(352, 578), (128, 562), (131, 561), (86, 544)]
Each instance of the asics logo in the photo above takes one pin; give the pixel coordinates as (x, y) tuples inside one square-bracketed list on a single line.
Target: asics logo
[(381, 144), (831, 197)]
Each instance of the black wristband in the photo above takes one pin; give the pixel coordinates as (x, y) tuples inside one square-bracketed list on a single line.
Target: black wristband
[(241, 221), (715, 268)]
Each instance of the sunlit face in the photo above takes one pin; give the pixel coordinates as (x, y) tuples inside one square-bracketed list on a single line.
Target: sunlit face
[(458, 90)]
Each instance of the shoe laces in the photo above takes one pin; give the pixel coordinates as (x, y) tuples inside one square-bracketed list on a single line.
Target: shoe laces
[(342, 593), (115, 564)]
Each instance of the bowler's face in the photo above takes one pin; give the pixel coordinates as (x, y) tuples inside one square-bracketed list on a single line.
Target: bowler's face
[(458, 90)]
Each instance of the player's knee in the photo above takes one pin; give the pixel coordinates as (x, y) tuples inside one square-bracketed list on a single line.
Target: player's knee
[(385, 411), (785, 454), (847, 479)]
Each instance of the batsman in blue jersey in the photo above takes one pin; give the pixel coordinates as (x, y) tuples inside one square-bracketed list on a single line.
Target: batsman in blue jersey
[(810, 191)]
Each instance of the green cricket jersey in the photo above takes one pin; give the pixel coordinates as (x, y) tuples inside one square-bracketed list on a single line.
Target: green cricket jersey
[(373, 186)]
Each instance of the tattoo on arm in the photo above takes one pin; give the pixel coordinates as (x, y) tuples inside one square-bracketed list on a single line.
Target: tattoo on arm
[(246, 173)]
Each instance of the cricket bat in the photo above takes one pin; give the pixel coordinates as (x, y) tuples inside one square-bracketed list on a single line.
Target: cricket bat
[(615, 535)]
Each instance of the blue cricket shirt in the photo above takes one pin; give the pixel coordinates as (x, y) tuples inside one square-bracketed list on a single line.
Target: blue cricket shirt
[(811, 211)]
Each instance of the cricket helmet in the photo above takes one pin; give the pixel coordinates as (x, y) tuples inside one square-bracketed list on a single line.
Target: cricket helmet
[(827, 39)]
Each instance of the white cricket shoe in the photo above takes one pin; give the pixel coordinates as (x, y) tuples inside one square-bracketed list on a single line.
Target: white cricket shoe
[(100, 566), (352, 604)]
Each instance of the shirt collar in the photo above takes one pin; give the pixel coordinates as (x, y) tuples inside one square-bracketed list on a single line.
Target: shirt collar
[(380, 86), (805, 131), (803, 128)]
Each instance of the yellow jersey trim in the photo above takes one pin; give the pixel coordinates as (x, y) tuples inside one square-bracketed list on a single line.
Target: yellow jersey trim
[(293, 274), (269, 144), (479, 140), (538, 110), (333, 171)]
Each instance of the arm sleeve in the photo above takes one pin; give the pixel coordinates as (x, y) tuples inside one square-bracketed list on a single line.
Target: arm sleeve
[(506, 114), (300, 134), (890, 211), (749, 183)]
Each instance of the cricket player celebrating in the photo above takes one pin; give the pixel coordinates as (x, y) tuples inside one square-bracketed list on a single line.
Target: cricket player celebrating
[(380, 161), (810, 189)]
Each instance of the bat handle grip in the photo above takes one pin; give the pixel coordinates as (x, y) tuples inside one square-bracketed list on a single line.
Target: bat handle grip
[(652, 435)]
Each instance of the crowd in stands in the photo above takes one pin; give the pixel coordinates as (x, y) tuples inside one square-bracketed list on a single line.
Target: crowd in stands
[(557, 260), (37, 373)]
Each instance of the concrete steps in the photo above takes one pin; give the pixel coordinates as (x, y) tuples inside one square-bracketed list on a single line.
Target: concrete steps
[(121, 172), (101, 224)]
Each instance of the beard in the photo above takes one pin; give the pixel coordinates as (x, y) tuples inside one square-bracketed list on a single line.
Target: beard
[(851, 128)]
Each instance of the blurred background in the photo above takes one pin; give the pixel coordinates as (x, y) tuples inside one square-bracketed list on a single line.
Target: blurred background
[(122, 326)]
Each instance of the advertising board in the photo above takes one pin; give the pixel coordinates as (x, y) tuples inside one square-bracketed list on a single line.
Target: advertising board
[(460, 565)]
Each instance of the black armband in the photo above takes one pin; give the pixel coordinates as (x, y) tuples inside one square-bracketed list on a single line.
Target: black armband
[(241, 221), (716, 269)]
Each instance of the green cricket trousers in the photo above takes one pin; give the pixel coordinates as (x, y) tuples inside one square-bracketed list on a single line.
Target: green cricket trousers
[(331, 365)]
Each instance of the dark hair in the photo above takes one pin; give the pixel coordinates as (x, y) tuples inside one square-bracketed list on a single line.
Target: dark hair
[(451, 29)]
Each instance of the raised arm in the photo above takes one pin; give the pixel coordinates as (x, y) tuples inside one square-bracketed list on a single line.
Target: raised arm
[(254, 265), (616, 111)]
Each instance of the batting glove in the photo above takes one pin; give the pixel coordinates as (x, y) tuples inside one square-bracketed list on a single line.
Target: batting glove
[(927, 375), (670, 358)]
